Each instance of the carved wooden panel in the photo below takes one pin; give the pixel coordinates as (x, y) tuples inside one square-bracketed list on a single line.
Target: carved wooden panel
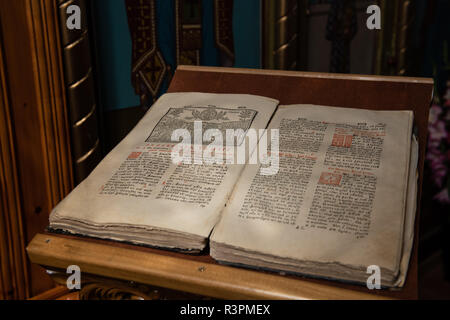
[(36, 161), (94, 287), (13, 270), (81, 97)]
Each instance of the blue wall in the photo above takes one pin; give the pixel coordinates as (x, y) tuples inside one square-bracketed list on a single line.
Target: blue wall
[(247, 33), (114, 44), (114, 55)]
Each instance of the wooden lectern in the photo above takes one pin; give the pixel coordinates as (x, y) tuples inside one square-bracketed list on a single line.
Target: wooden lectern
[(116, 270)]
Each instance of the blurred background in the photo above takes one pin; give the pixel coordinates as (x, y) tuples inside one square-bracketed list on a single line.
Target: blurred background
[(69, 96)]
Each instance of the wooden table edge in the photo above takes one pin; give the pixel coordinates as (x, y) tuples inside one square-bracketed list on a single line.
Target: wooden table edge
[(175, 273), (307, 74)]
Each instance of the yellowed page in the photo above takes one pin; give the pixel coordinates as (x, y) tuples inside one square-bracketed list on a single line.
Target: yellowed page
[(321, 206), (137, 184), (410, 215)]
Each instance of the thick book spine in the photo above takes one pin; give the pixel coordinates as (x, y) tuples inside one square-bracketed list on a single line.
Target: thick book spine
[(80, 91)]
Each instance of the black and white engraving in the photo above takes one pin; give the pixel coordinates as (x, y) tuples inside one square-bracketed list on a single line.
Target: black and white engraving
[(212, 117)]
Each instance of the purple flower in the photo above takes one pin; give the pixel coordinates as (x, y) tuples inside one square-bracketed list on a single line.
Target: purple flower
[(438, 153), (443, 196)]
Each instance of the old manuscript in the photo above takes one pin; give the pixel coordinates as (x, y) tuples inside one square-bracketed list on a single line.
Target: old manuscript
[(333, 194), (343, 199)]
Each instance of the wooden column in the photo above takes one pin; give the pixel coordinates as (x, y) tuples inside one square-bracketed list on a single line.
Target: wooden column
[(13, 268), (35, 150)]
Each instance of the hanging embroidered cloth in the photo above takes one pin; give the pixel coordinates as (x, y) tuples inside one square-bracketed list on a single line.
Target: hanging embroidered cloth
[(148, 66), (341, 28)]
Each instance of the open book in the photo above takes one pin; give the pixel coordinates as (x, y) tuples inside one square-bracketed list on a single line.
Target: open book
[(330, 193)]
